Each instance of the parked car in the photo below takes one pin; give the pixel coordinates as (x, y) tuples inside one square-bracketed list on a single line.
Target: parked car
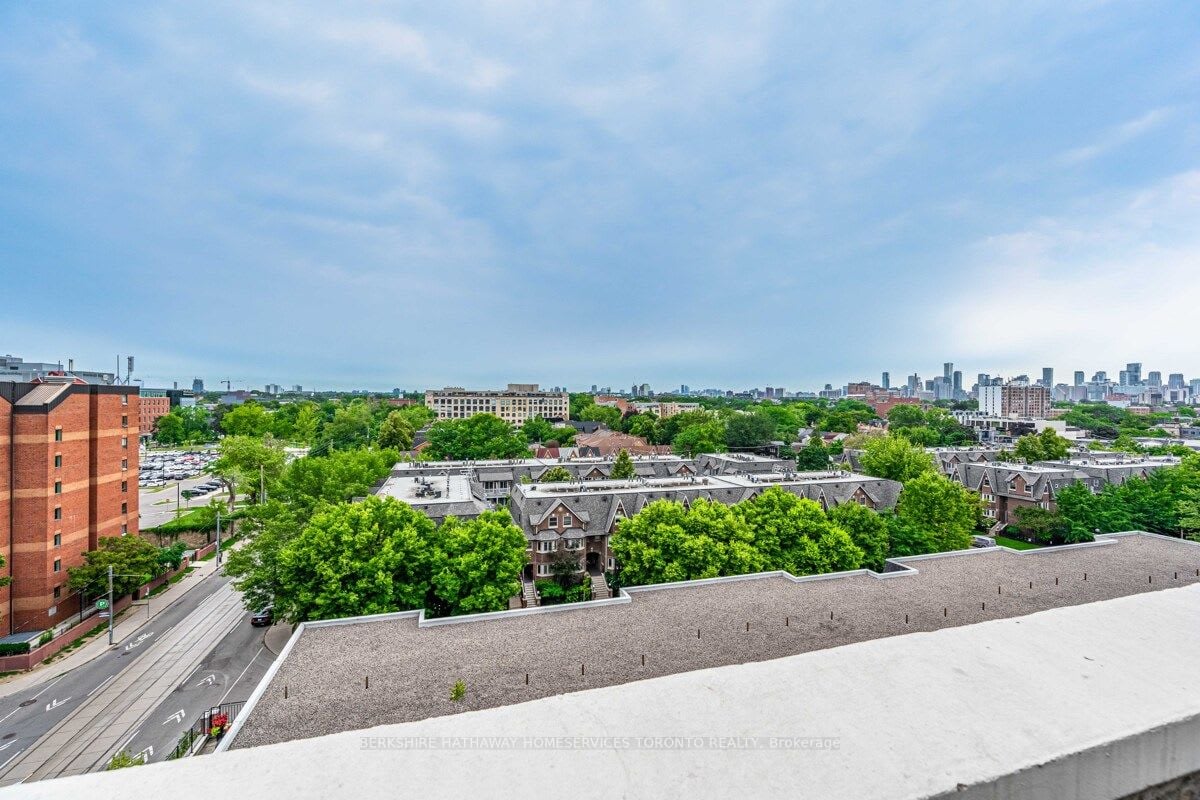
[(263, 618)]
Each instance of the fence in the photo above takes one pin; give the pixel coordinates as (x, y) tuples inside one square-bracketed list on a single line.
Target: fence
[(201, 729)]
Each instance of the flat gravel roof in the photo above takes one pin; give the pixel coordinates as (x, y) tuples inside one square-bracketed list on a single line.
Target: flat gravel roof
[(690, 627)]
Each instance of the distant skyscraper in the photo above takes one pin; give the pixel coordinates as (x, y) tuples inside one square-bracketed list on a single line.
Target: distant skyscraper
[(593, 388), (957, 383), (1100, 377), (198, 385), (1048, 377), (1175, 380), (1154, 378), (1133, 373), (887, 381), (948, 371), (1079, 377), (914, 382)]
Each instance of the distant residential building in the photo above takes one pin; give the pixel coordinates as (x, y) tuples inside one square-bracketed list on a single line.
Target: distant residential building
[(517, 403), (578, 518), (886, 381), (69, 455), (1005, 488), (198, 385), (1047, 377), (670, 409), (1014, 399), (1079, 381)]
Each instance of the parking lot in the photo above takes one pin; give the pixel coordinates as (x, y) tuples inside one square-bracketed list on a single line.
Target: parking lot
[(169, 480)]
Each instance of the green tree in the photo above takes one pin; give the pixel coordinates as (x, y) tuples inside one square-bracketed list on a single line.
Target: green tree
[(395, 433), (606, 414), (537, 429), (477, 437), (707, 437), (133, 559), (557, 474), (747, 431), (248, 419), (1044, 446), (255, 567), (125, 759), (664, 542), (349, 427), (308, 422), (813, 456), (622, 468), (794, 534), (246, 463), (334, 478), (644, 425), (945, 510), (868, 530), (563, 434), (475, 564), (894, 458), (356, 559), (1047, 527)]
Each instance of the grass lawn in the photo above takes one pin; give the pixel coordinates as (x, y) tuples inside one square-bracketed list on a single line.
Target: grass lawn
[(1016, 544)]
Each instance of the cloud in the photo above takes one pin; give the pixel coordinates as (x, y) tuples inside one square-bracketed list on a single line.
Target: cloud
[(1115, 280), (1118, 137)]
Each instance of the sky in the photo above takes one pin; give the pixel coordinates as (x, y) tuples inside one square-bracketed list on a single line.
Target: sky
[(413, 195)]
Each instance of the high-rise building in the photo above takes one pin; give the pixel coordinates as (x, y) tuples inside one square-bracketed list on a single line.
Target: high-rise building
[(1048, 377), (886, 382), (198, 385), (1079, 377), (1154, 378), (948, 371), (1100, 377), (1016, 398), (1175, 380), (957, 383), (70, 457), (1133, 374)]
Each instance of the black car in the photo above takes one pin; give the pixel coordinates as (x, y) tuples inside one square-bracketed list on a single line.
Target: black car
[(263, 618)]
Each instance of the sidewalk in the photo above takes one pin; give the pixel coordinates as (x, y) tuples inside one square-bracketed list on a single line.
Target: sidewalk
[(126, 623)]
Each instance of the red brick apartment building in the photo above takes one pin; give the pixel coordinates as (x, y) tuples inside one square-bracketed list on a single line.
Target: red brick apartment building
[(68, 476)]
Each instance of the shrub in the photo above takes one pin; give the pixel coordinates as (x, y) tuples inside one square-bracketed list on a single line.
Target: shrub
[(14, 648), (458, 691)]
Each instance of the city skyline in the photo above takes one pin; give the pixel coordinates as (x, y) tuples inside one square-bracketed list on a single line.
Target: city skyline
[(669, 194)]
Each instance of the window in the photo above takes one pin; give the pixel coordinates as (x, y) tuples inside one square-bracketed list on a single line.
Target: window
[(124, 529), (58, 565), (573, 544), (125, 441), (124, 463), (567, 521), (57, 460), (58, 512), (58, 434), (543, 569), (547, 547), (552, 520), (58, 540), (124, 486), (124, 508), (58, 487), (57, 592), (124, 399), (124, 421)]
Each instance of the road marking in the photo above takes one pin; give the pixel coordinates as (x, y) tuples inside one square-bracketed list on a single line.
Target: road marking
[(239, 677), (10, 758), (101, 683), (47, 686), (9, 714), (7, 745), (139, 640), (56, 703), (210, 680), (176, 717), (130, 739), (145, 754)]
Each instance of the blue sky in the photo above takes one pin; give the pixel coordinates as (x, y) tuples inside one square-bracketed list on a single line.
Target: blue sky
[(415, 194)]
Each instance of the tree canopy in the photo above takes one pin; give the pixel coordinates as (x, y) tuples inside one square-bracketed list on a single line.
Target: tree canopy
[(1044, 446), (622, 468), (895, 458), (476, 437)]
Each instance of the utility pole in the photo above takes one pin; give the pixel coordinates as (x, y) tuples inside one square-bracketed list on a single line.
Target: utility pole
[(261, 485), (110, 606), (218, 536)]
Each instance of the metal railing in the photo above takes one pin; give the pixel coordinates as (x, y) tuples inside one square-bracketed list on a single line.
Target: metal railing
[(202, 728)]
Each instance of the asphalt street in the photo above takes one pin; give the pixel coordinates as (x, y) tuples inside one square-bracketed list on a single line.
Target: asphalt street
[(87, 699)]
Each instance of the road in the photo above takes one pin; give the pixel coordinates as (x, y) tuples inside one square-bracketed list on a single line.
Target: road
[(157, 505), (74, 723)]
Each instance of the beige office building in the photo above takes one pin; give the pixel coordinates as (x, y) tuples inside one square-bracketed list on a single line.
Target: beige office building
[(517, 403)]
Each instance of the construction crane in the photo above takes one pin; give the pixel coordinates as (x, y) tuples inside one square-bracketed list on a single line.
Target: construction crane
[(228, 386)]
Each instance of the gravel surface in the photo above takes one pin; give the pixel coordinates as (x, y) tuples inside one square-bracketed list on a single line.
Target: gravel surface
[(412, 669)]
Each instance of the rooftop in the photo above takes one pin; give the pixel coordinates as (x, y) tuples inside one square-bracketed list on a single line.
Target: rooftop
[(417, 491), (697, 625)]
